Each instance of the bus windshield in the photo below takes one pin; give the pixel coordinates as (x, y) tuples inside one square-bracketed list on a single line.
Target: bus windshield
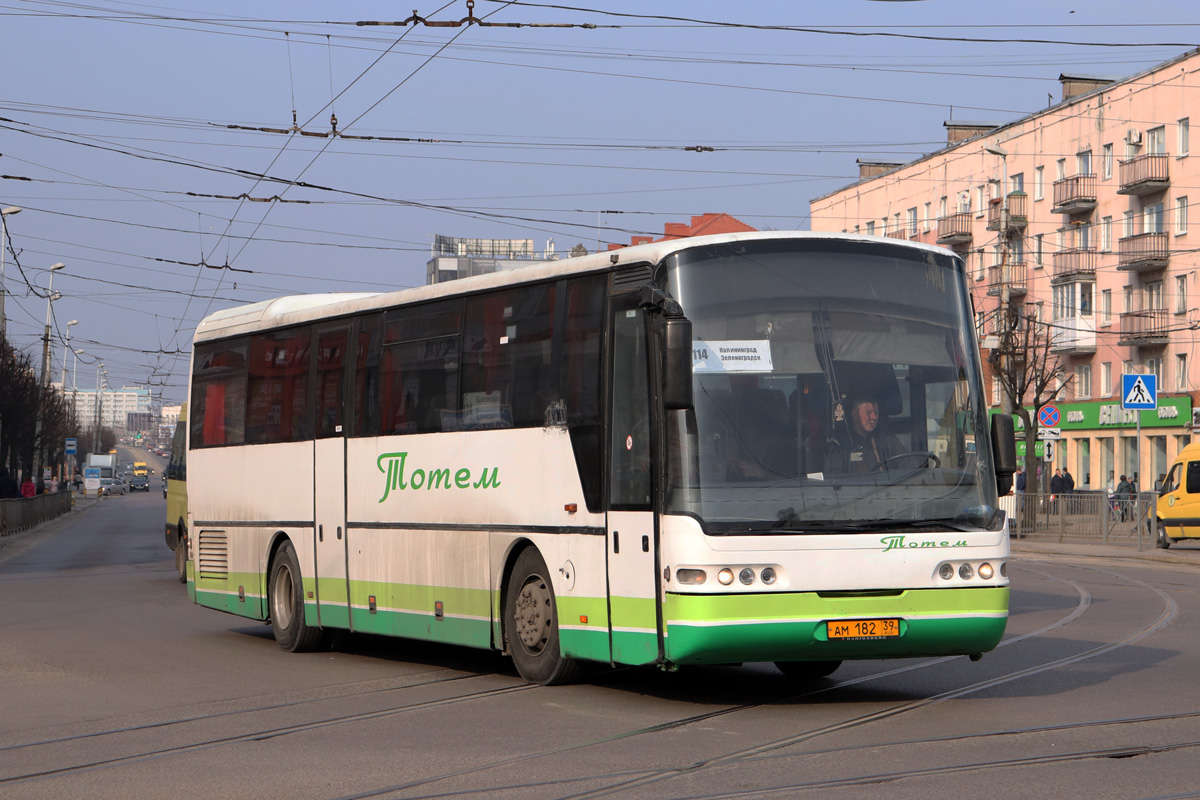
[(837, 388)]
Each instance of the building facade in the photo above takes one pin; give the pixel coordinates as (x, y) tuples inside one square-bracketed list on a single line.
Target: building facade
[(453, 258), (115, 407), (1075, 219)]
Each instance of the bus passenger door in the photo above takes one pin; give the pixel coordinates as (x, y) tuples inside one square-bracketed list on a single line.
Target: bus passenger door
[(329, 476), (633, 608)]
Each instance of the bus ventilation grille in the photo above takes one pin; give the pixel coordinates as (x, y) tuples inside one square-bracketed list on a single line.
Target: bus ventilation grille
[(632, 277), (213, 554)]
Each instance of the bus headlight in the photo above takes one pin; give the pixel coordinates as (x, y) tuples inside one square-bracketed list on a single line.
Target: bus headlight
[(966, 572), (946, 571), (768, 575), (746, 576), (691, 577), (985, 571), (725, 576)]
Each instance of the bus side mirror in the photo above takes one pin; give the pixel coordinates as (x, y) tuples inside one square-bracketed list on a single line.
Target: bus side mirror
[(677, 363), (1004, 451)]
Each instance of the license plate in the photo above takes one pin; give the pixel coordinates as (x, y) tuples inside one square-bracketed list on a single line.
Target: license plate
[(863, 629)]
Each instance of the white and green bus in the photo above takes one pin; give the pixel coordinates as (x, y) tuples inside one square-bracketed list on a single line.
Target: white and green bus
[(628, 458)]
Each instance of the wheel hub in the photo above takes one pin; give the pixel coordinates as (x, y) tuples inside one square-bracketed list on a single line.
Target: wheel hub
[(532, 616)]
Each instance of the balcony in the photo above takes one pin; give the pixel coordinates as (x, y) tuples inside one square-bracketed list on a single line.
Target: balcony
[(1075, 194), (1074, 335), (898, 234), (1143, 252), (1017, 277), (955, 229), (1017, 215), (1073, 264), (1144, 327), (1144, 174)]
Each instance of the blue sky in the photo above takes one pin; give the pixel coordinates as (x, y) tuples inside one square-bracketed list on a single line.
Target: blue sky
[(119, 116)]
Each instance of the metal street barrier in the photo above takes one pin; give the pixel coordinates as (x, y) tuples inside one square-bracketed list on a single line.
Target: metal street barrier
[(1084, 515), (25, 512)]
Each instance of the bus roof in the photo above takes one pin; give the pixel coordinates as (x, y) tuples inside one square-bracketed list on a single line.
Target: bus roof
[(296, 309)]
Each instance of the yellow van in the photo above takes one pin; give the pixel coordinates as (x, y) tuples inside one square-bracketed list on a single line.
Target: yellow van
[(1177, 515)]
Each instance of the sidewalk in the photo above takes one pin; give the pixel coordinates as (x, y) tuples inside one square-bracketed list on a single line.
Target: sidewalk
[(12, 542), (1121, 548)]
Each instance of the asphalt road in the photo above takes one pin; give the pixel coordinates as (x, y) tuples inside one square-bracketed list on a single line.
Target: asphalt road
[(113, 686)]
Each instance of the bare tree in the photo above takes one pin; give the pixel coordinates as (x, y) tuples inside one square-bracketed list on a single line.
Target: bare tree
[(1030, 371)]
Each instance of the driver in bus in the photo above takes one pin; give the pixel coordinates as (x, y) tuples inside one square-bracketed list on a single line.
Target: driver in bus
[(863, 446)]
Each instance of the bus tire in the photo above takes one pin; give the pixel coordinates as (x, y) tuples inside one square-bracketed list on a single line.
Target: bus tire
[(807, 670), (181, 554), (286, 598), (531, 623)]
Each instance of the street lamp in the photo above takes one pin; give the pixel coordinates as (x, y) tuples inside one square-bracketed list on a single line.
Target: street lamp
[(4, 212), (66, 349), (40, 446)]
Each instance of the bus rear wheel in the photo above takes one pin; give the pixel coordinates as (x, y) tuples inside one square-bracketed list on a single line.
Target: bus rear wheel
[(286, 597), (531, 623), (807, 670), (181, 554)]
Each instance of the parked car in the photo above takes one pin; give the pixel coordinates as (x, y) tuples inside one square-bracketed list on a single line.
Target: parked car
[(110, 486), (139, 483)]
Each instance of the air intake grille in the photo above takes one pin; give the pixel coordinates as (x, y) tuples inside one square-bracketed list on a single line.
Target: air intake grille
[(631, 277), (213, 554)]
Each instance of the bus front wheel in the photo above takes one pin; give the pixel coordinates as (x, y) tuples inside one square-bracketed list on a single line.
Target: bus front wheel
[(287, 605), (531, 622)]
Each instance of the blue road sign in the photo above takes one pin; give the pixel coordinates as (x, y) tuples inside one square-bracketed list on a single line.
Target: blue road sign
[(1048, 416), (70, 448), (1139, 391)]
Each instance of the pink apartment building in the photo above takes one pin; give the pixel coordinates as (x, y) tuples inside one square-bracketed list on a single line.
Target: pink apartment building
[(1089, 237)]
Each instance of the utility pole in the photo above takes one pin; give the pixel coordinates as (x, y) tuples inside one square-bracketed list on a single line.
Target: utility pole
[(40, 412)]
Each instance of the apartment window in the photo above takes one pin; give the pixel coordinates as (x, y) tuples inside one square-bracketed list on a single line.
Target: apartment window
[(1127, 367), (926, 219), (1086, 290), (856, 229), (1154, 296), (1018, 250), (1106, 161), (1126, 299), (1060, 239), (1181, 205), (1106, 379), (911, 219), (980, 321), (1083, 380), (1152, 218), (1156, 140), (871, 227), (1128, 220), (1060, 169), (942, 206), (1106, 307), (1183, 129), (1039, 183), (1106, 235), (1083, 162), (1016, 183), (980, 200), (1083, 237), (1154, 367), (1039, 243), (1064, 301), (1181, 294), (896, 220), (1181, 377)]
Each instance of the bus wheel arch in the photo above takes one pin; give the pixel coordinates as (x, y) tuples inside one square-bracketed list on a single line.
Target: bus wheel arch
[(285, 601), (530, 620)]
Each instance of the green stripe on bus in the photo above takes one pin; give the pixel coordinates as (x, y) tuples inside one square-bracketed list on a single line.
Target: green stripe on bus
[(791, 627)]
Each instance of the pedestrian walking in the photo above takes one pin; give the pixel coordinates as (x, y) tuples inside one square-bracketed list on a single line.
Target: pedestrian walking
[(1068, 481), (28, 489), (1124, 493)]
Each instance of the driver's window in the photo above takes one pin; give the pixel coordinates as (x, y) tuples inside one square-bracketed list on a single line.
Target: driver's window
[(1171, 484)]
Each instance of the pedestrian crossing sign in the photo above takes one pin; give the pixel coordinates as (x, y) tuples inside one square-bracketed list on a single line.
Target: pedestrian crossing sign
[(1139, 391)]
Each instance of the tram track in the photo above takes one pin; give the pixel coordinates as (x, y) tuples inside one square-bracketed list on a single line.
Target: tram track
[(1084, 601), (634, 780)]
